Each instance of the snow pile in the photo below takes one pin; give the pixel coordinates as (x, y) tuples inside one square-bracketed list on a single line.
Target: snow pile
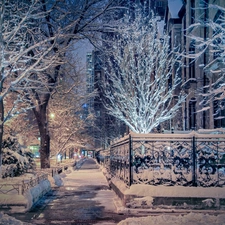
[(39, 190), (142, 196), (22, 203), (15, 199), (189, 219), (56, 180), (106, 173), (79, 163), (15, 159), (8, 220), (208, 202), (174, 191), (18, 202)]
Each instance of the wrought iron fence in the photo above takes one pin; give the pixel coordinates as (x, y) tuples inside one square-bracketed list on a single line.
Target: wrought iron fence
[(103, 158), (20, 188), (55, 170), (26, 185), (192, 159), (121, 159)]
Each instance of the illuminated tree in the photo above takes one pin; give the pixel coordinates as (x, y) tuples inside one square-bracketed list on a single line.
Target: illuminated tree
[(141, 73)]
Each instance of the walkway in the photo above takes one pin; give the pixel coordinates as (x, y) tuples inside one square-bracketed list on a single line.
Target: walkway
[(84, 199)]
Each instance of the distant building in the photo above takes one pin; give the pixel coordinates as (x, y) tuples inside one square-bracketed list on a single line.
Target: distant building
[(105, 127)]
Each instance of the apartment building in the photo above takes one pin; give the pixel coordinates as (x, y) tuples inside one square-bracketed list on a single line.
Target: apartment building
[(195, 73)]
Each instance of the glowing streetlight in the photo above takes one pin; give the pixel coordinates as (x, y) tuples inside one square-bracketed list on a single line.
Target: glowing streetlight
[(52, 115)]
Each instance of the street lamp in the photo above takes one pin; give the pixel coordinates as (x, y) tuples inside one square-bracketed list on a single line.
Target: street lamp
[(48, 118), (52, 115)]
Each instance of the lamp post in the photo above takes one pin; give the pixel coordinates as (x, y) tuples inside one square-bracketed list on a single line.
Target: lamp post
[(50, 116)]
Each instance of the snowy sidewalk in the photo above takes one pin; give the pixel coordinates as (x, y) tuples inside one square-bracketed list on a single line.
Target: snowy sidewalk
[(82, 196), (87, 175)]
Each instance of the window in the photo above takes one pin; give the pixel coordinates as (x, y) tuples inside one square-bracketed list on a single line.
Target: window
[(159, 4), (191, 63), (192, 11), (219, 113), (192, 114), (218, 42)]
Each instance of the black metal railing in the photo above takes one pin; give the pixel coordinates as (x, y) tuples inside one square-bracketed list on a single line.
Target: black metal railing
[(170, 159), (120, 160), (10, 187)]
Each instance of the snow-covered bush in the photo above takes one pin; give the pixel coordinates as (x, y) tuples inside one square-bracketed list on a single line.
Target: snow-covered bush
[(15, 160)]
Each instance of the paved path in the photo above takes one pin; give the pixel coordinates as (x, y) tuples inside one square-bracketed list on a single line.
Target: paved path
[(84, 199)]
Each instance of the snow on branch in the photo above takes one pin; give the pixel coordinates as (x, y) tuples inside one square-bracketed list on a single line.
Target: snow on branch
[(214, 47), (137, 70)]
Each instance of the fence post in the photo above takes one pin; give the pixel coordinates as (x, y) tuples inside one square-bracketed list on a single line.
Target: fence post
[(194, 183), (130, 163), (110, 159), (20, 191)]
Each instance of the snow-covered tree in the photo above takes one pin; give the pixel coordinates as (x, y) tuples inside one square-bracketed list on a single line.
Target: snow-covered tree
[(141, 73), (67, 122), (34, 38), (213, 46), (75, 20), (25, 54), (19, 119), (16, 160)]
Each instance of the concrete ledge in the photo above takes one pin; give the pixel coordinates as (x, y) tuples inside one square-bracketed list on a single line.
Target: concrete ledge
[(149, 197), (22, 203)]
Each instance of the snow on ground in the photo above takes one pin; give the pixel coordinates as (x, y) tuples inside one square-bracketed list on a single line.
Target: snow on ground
[(19, 202), (142, 190), (24, 202), (56, 180), (175, 191), (163, 219), (144, 195), (169, 219), (189, 219), (27, 200), (8, 220), (31, 195)]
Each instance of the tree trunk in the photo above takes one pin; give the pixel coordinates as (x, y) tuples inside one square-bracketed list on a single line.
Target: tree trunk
[(45, 150), (2, 12), (41, 117), (1, 132)]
